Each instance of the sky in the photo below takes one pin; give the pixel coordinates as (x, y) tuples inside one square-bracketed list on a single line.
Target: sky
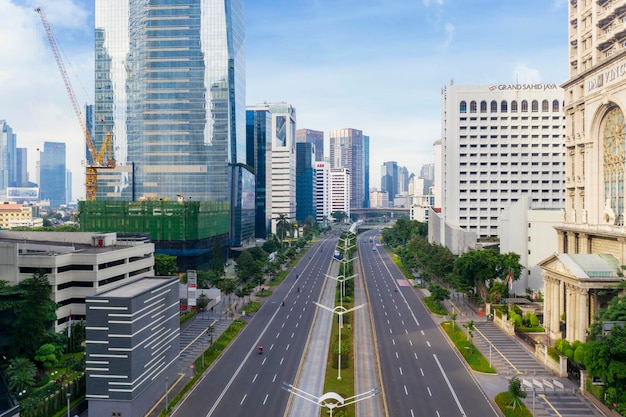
[(374, 65)]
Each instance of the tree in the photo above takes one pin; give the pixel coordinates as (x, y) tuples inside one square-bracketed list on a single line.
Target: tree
[(606, 358), (339, 216), (202, 302), (47, 355), (216, 263), (165, 265), (282, 226), (20, 374), (516, 392), (35, 315), (438, 293), (480, 269), (246, 267)]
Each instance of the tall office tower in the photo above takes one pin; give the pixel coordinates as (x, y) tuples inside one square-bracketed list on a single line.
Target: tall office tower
[(340, 189), (428, 172), (52, 168), (306, 182), (315, 137), (403, 180), (7, 157), (498, 143), (170, 87), (322, 200), (389, 180), (281, 196), (259, 157), (348, 149), (591, 245), (366, 170), (21, 167)]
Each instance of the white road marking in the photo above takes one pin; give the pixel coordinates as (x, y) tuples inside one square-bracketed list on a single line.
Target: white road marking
[(265, 400), (458, 403), (254, 379), (243, 399)]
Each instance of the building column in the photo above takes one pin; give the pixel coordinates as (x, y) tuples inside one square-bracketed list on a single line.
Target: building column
[(583, 314), (570, 317), (555, 320)]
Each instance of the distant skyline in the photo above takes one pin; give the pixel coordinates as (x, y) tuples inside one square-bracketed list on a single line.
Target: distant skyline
[(373, 65)]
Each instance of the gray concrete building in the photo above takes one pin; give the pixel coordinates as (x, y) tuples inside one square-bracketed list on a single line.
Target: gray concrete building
[(132, 339), (77, 264)]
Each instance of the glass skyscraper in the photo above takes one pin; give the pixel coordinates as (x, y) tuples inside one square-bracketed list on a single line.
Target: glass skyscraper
[(170, 87), (52, 173)]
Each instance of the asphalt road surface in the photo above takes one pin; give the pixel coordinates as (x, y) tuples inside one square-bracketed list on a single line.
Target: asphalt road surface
[(422, 373), (245, 383)]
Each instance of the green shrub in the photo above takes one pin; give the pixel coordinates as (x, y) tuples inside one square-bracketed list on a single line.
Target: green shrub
[(516, 319), (533, 320), (579, 354), (570, 353)]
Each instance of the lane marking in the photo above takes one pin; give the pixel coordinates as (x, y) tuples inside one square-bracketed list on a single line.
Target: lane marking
[(243, 399), (281, 360), (400, 368), (274, 380), (254, 379), (428, 343), (458, 403), (265, 400), (422, 371), (429, 393), (406, 392)]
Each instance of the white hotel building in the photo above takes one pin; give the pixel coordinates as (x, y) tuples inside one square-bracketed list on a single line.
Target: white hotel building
[(498, 144)]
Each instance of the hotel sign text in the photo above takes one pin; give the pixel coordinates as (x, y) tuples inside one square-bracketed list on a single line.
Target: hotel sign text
[(524, 87), (607, 76)]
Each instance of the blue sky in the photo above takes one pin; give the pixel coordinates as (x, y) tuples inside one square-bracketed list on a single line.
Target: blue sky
[(374, 65)]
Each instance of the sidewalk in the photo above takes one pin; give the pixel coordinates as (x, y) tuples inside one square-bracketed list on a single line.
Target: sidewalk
[(511, 358)]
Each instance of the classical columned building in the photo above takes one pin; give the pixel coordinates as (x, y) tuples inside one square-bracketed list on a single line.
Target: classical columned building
[(580, 277)]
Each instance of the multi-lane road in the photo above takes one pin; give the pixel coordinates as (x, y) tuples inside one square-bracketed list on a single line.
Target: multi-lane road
[(246, 383), (422, 373)]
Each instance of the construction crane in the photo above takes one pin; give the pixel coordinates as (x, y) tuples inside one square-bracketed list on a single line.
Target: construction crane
[(99, 162)]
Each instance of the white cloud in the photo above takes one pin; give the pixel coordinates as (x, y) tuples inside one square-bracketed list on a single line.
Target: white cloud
[(525, 75), (427, 2), (450, 30), (34, 100)]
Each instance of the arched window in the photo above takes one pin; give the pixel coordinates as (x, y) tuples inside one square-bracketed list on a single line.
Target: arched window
[(463, 107), (524, 106), (545, 106), (494, 106), (555, 105), (514, 106), (503, 106), (483, 106), (613, 139), (472, 106), (535, 105)]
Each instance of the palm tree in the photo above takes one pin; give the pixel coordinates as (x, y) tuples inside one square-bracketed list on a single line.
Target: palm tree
[(20, 374), (282, 224)]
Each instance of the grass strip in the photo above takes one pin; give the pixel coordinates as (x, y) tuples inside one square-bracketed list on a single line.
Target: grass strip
[(504, 399), (472, 356)]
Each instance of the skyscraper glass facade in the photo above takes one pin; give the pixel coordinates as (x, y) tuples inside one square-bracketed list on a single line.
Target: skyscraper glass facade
[(7, 155), (258, 156), (52, 173), (170, 87), (306, 184)]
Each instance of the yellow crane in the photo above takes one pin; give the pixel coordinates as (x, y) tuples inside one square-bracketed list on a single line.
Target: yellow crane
[(99, 161)]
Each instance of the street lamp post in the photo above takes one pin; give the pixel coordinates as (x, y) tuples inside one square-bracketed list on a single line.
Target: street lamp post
[(330, 400), (340, 310), (69, 396)]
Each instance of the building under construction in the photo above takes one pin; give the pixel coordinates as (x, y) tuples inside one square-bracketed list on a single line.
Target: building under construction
[(185, 229)]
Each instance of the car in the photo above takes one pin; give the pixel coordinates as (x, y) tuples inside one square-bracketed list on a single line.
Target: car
[(373, 247)]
